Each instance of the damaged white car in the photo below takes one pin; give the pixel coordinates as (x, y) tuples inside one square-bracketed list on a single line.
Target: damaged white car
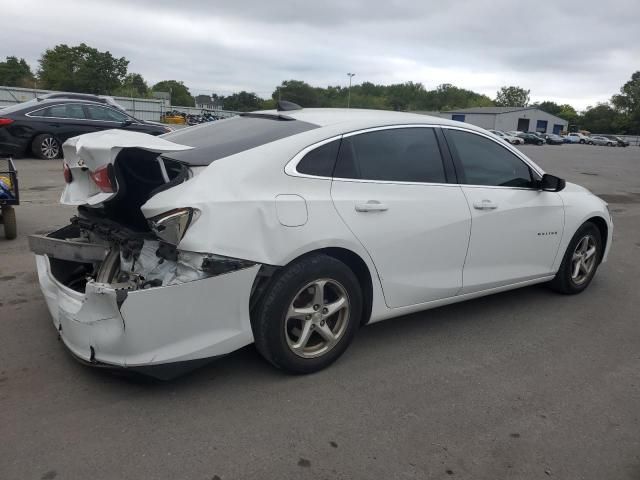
[(292, 229)]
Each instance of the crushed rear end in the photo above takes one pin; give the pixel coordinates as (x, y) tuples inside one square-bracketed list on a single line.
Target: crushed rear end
[(120, 290)]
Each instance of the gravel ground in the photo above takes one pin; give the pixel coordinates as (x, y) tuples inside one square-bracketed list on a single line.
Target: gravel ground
[(526, 384)]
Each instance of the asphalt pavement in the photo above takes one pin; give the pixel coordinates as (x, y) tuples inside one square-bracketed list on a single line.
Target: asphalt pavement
[(526, 384)]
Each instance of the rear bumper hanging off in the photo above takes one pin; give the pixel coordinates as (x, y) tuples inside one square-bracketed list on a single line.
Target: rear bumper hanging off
[(151, 327)]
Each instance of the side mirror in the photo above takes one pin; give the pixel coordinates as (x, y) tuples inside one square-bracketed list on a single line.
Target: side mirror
[(551, 183), (127, 122)]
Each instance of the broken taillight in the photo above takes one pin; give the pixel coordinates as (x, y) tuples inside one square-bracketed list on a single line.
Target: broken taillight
[(102, 178), (68, 176), (172, 225)]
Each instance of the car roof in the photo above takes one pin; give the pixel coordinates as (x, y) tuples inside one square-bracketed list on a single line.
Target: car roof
[(50, 101), (355, 118)]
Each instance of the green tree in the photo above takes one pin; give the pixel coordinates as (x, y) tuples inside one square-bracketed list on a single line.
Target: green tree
[(568, 113), (133, 85), (547, 106), (512, 97), (628, 103), (603, 119), (242, 102), (180, 94), (81, 69), (449, 97), (16, 73), (297, 91)]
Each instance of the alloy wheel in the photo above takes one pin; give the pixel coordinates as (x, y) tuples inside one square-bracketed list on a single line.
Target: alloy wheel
[(50, 148), (584, 259), (317, 318)]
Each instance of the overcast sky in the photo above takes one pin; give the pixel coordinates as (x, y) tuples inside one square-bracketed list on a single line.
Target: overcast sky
[(578, 53)]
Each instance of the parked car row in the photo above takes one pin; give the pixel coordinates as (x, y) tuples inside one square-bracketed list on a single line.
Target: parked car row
[(605, 140), (536, 138)]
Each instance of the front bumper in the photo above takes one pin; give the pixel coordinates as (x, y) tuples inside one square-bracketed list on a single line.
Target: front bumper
[(152, 327)]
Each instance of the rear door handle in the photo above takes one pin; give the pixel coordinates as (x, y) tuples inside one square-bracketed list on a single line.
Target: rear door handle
[(485, 205), (371, 206)]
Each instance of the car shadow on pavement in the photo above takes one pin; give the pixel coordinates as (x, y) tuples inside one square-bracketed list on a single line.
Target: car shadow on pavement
[(384, 342)]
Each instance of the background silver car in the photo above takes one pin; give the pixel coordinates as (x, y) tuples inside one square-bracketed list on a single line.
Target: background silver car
[(599, 140)]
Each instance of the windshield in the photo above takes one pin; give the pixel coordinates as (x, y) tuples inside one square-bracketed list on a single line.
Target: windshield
[(223, 138)]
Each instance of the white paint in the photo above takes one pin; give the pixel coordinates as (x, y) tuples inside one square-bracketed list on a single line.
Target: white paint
[(291, 210)]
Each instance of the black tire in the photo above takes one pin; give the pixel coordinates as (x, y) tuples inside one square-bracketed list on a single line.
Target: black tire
[(563, 281), (540, 142), (46, 147), (9, 221), (582, 142), (270, 320)]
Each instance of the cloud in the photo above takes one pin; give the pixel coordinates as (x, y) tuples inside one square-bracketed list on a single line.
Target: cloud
[(569, 54)]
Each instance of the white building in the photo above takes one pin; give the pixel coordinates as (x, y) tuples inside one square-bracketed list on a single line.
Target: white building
[(524, 119)]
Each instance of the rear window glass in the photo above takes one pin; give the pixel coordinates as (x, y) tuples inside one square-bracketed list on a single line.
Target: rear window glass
[(222, 138)]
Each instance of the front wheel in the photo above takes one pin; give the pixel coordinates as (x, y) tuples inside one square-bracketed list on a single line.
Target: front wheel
[(580, 261), (540, 142), (309, 315)]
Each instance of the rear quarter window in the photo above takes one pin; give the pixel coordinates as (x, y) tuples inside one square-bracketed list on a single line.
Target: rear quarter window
[(320, 161)]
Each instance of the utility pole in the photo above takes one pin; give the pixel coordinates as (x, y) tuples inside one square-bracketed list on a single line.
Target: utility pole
[(351, 75)]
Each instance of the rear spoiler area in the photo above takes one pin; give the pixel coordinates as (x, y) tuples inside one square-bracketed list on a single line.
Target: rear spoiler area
[(89, 159)]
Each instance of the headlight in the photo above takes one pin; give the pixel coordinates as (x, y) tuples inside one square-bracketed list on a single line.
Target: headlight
[(172, 225)]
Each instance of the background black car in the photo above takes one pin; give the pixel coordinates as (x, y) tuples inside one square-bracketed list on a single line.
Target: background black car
[(553, 139), (41, 126), (531, 138)]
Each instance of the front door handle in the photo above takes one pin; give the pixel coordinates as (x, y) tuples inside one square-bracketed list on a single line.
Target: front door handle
[(485, 205), (371, 206)]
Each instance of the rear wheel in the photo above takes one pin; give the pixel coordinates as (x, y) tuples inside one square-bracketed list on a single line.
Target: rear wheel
[(45, 146), (580, 261), (309, 315), (9, 221)]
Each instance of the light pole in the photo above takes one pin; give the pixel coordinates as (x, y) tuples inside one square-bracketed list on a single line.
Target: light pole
[(351, 75)]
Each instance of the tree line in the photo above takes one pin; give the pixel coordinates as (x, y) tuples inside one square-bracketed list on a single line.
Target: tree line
[(85, 69)]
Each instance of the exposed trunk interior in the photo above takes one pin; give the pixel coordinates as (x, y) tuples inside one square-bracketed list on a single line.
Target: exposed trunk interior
[(140, 174), (119, 222)]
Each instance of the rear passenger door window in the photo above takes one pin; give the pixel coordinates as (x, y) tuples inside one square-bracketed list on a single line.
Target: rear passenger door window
[(74, 111), (393, 155), (485, 162)]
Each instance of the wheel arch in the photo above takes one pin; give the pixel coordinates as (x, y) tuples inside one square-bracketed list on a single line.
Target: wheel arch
[(602, 226), (351, 259)]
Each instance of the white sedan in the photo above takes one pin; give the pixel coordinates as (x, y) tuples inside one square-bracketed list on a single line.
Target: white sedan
[(512, 139), (292, 229)]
